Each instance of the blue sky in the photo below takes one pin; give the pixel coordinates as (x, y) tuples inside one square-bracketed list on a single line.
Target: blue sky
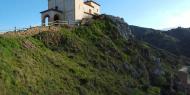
[(158, 14)]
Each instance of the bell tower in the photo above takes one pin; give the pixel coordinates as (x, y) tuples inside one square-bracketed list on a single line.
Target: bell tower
[(54, 12), (55, 4)]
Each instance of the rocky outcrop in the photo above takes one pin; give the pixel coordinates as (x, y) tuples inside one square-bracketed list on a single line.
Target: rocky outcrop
[(122, 27)]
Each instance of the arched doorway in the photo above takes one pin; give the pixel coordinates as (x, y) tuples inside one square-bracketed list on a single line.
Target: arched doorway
[(56, 19), (45, 21)]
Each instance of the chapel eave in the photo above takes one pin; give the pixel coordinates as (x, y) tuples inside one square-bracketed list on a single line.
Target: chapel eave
[(93, 2), (51, 10)]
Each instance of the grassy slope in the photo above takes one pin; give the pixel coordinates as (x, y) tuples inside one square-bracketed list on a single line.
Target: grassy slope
[(90, 60)]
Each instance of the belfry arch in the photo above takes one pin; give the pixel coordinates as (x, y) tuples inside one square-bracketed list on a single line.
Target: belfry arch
[(45, 20), (54, 16), (56, 19)]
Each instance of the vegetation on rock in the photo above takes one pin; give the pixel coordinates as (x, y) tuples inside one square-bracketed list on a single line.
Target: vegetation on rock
[(175, 40)]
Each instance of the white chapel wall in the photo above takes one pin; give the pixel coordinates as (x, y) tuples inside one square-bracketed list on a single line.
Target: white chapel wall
[(79, 6), (74, 10)]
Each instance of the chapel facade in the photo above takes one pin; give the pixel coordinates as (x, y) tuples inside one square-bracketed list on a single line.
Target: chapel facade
[(69, 10)]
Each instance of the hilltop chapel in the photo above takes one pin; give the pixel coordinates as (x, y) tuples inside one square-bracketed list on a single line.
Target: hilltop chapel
[(69, 10)]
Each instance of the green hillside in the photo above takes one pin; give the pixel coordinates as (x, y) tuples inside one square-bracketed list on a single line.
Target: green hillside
[(91, 59)]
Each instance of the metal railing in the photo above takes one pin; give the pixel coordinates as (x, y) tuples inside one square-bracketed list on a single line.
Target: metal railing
[(40, 28), (57, 22), (60, 22), (32, 30)]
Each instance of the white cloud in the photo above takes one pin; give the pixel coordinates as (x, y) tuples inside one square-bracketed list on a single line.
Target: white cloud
[(179, 19)]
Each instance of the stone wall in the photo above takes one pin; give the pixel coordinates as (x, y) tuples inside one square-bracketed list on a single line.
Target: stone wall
[(188, 89)]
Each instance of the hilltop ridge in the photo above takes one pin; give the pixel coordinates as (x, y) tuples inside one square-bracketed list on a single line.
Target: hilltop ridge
[(175, 40)]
